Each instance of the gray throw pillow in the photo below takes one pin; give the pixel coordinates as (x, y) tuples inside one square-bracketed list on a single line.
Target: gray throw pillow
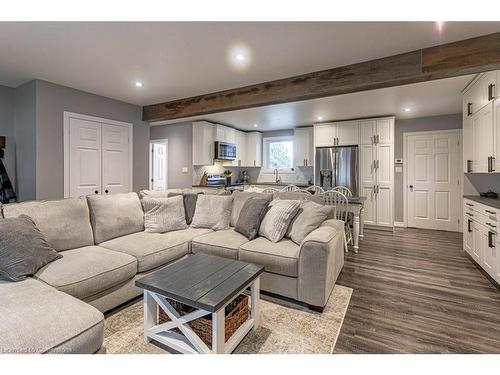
[(212, 212), (308, 218), (23, 248), (239, 199), (251, 215), (277, 219), (164, 214), (189, 204)]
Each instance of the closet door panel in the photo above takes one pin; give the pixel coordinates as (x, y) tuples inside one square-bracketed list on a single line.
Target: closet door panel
[(115, 159), (84, 157)]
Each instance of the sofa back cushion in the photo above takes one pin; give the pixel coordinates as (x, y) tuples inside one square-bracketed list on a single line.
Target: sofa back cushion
[(212, 212), (239, 199), (115, 215), (64, 223)]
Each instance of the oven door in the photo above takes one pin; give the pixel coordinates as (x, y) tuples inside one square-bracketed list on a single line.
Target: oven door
[(225, 151)]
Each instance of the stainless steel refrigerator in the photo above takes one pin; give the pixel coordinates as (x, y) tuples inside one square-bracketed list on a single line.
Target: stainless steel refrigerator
[(337, 166)]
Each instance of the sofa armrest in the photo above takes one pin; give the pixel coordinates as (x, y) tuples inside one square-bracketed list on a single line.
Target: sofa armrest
[(321, 259)]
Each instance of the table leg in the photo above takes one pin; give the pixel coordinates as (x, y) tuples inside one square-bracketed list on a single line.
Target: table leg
[(150, 314), (219, 331), (361, 223), (355, 233), (254, 300)]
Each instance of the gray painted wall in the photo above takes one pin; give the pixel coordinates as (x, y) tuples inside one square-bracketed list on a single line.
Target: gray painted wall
[(414, 125), (51, 101), (25, 135), (7, 130), (180, 152)]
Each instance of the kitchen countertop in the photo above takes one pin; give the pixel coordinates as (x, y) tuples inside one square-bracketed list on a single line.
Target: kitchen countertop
[(235, 184), (492, 202)]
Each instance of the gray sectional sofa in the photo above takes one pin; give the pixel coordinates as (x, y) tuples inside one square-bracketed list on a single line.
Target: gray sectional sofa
[(105, 249)]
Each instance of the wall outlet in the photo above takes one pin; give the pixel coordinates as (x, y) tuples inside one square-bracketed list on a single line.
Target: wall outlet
[(184, 170)]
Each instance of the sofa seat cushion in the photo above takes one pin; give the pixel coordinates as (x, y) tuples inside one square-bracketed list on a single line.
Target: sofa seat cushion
[(223, 243), (88, 270), (155, 249), (37, 318), (277, 257)]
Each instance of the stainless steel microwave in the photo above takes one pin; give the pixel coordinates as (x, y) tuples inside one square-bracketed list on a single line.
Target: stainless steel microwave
[(225, 151)]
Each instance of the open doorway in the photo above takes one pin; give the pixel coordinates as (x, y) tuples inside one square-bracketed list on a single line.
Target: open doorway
[(158, 165)]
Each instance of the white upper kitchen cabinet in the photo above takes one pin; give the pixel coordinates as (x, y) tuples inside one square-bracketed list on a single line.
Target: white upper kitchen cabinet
[(347, 133), (483, 139), (303, 147), (484, 90), (203, 143), (496, 130), (254, 150), (225, 134), (367, 129), (325, 135), (241, 149)]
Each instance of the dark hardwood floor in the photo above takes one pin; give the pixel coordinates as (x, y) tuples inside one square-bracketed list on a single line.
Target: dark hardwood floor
[(416, 291)]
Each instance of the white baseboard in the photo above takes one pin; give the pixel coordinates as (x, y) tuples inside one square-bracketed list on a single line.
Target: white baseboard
[(399, 224)]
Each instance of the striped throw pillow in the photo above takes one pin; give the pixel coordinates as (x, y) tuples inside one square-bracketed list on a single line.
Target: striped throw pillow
[(164, 214), (278, 218)]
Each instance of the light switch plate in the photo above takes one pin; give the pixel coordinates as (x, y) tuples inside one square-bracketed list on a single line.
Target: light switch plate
[(184, 170)]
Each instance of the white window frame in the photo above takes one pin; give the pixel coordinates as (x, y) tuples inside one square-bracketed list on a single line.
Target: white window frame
[(265, 153)]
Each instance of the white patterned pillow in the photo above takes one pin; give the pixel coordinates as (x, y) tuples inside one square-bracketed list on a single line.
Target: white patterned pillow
[(212, 212), (278, 218), (164, 214)]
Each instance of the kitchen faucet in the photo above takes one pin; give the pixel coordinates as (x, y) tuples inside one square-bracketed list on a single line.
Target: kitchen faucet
[(277, 177)]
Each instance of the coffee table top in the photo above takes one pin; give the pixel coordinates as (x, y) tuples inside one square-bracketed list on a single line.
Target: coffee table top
[(203, 281)]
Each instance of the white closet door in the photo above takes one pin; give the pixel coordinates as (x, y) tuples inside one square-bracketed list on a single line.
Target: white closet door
[(84, 157), (115, 159)]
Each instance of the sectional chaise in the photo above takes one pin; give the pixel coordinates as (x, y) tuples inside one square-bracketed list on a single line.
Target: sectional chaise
[(105, 249)]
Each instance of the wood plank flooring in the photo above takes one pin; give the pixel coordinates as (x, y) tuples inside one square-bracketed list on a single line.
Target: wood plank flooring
[(416, 291)]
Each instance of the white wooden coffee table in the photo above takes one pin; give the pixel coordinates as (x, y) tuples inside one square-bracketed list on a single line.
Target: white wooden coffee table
[(207, 283)]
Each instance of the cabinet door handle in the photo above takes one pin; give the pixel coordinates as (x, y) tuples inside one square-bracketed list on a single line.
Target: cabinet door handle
[(491, 225), (469, 166), (490, 91), (377, 163), (469, 214), (490, 239), (106, 191), (491, 212), (469, 204), (469, 228), (96, 192), (492, 163), (378, 139), (469, 109)]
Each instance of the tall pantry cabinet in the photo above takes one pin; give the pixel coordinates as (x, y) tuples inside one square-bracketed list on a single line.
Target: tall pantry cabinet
[(376, 170)]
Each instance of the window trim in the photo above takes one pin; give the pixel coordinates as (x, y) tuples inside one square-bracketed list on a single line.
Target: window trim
[(265, 154)]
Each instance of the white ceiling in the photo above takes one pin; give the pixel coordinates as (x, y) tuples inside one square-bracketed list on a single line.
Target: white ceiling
[(432, 98), (176, 60)]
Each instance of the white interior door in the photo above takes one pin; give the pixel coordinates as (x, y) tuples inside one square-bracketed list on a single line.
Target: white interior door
[(159, 166), (84, 157), (432, 181), (115, 159)]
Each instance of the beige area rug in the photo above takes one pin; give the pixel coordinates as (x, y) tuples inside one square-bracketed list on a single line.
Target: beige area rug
[(285, 328)]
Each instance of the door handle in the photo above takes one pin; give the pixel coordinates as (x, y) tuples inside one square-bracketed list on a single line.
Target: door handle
[(106, 191), (490, 92), (490, 239), (96, 192), (411, 187)]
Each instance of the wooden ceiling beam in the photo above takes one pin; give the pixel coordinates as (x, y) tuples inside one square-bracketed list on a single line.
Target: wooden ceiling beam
[(443, 61)]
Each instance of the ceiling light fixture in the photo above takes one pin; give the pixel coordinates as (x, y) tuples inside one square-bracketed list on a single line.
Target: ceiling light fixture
[(138, 84), (320, 118), (407, 109), (255, 125), (239, 56)]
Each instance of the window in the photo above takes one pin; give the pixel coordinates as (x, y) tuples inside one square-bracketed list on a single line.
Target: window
[(278, 153)]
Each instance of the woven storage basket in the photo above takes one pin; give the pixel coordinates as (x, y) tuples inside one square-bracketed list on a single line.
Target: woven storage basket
[(236, 314)]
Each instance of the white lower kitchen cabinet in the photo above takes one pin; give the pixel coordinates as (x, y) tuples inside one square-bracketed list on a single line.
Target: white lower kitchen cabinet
[(480, 236)]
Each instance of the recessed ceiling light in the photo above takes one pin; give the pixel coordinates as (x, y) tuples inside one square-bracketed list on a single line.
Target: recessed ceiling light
[(407, 109), (239, 56), (320, 118), (138, 84), (255, 125)]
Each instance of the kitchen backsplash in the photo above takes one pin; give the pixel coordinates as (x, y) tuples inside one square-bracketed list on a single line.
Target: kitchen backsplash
[(256, 174)]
